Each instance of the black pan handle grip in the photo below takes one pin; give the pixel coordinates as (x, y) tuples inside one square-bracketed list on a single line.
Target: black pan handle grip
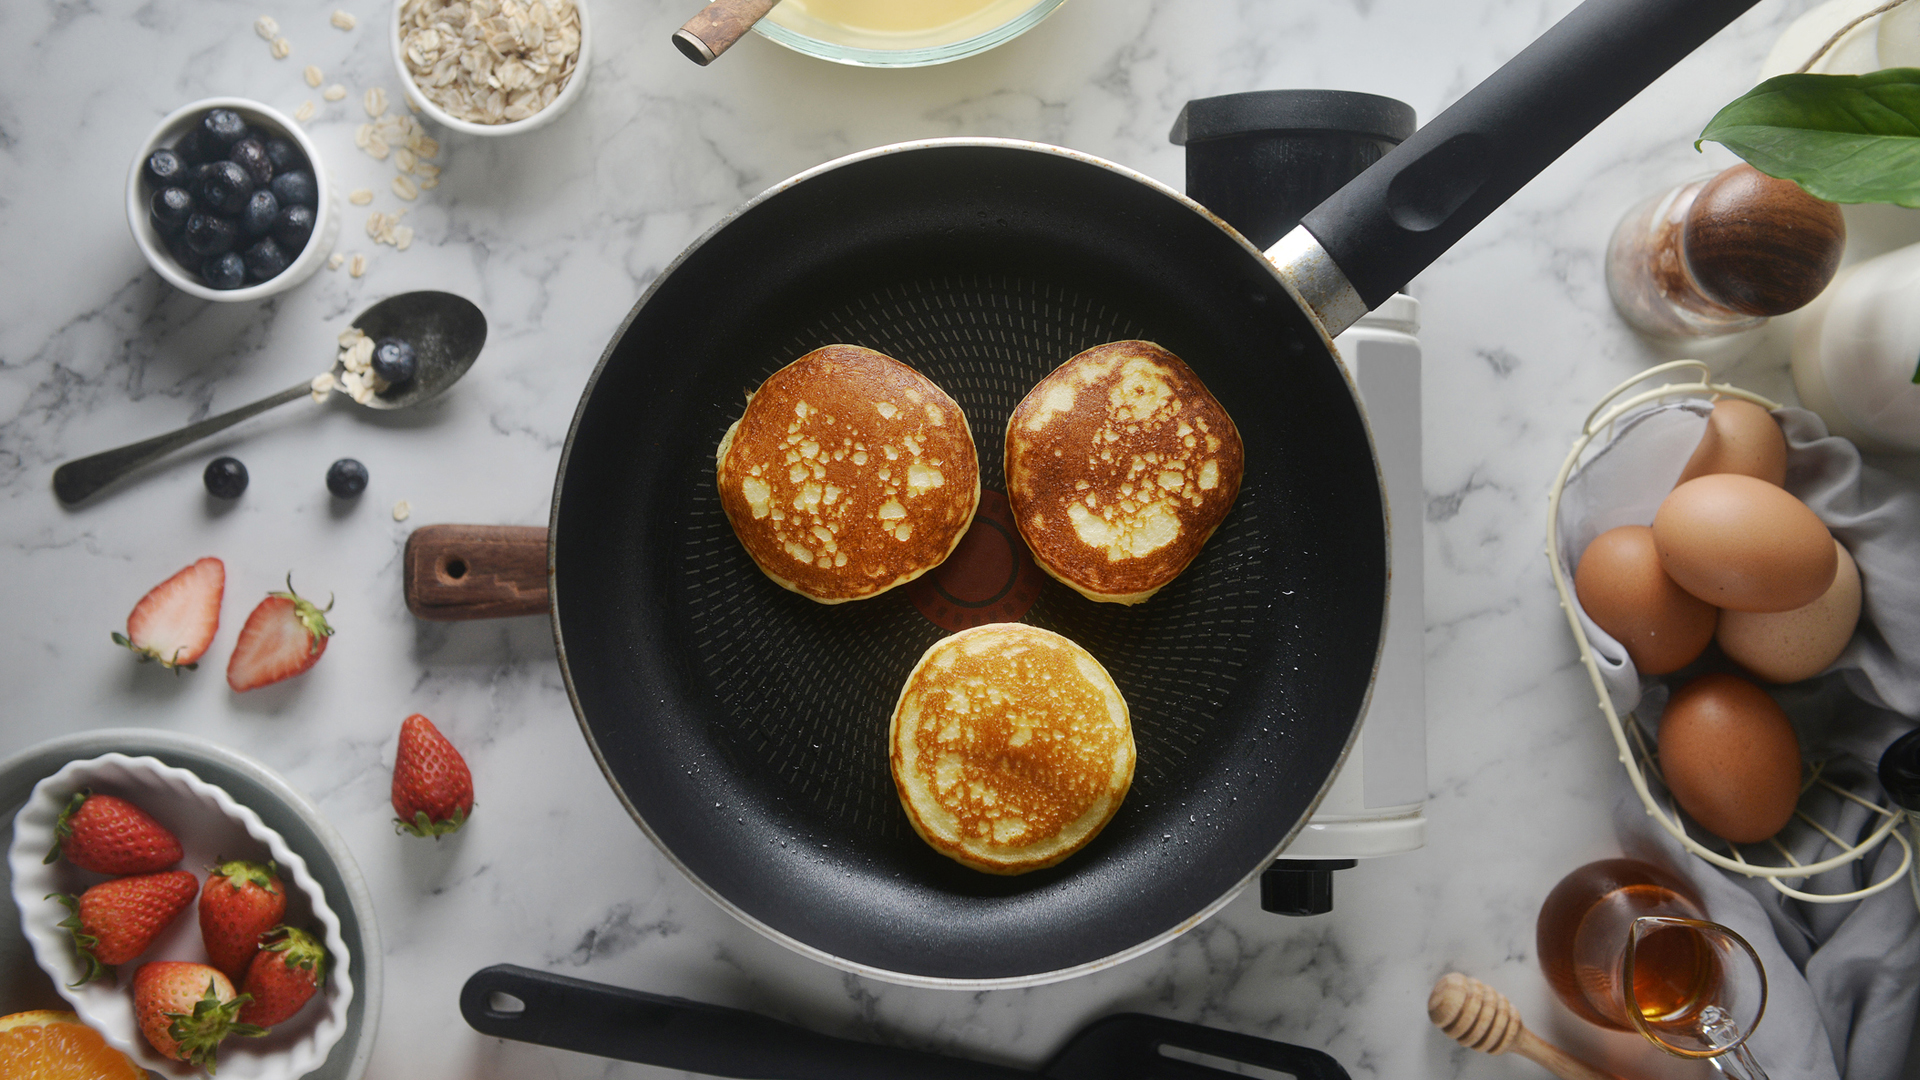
[(1134, 1046), (1413, 204), (630, 1025)]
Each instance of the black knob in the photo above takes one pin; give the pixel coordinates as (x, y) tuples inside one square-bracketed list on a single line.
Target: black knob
[(1300, 886)]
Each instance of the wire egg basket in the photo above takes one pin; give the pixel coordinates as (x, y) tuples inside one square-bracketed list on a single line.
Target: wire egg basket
[(1770, 860)]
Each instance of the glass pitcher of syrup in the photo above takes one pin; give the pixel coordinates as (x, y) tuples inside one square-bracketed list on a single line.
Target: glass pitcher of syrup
[(1626, 945)]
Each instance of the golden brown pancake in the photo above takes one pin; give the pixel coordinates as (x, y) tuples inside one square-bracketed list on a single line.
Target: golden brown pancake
[(848, 474), (1120, 465), (1010, 747)]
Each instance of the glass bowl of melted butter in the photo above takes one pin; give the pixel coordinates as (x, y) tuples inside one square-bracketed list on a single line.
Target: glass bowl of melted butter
[(900, 33)]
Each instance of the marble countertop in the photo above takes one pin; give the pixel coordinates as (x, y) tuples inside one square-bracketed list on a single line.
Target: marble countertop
[(555, 234)]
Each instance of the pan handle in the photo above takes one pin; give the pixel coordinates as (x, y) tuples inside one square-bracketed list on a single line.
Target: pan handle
[(1395, 219), (531, 1006), (452, 572)]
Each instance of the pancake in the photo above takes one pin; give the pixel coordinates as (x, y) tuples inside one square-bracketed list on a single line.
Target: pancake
[(848, 474), (1010, 747), (1120, 465)]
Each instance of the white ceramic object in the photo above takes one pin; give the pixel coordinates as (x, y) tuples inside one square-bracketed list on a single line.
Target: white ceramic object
[(798, 29), (1855, 352), (211, 826), (326, 214), (561, 102)]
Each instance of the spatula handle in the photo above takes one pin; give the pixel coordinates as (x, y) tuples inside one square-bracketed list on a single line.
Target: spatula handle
[(715, 28), (456, 572)]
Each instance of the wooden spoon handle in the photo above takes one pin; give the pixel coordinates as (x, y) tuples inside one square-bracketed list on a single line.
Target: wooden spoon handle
[(454, 572), (715, 28), (1555, 1060)]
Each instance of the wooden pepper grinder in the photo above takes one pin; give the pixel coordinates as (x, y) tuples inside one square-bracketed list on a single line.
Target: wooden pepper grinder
[(1720, 255)]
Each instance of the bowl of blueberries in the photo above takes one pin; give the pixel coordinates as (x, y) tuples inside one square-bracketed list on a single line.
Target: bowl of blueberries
[(228, 201)]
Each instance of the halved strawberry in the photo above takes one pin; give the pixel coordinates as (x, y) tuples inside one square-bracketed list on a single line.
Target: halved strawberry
[(175, 622), (283, 637)]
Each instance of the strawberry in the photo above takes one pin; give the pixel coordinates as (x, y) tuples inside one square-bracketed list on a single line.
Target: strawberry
[(242, 901), (187, 1010), (289, 967), (175, 622), (109, 835), (432, 789), (115, 921), (283, 637)]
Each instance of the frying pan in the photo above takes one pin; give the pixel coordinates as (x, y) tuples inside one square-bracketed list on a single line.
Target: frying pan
[(744, 727)]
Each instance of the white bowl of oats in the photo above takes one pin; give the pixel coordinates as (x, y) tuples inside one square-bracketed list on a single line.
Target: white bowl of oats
[(491, 67)]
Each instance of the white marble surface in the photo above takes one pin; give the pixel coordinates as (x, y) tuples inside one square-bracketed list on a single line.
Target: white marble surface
[(555, 234)]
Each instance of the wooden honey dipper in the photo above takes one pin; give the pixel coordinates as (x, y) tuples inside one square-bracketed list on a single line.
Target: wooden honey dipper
[(1481, 1018)]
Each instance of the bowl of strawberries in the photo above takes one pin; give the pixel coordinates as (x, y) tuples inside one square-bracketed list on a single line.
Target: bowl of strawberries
[(177, 923)]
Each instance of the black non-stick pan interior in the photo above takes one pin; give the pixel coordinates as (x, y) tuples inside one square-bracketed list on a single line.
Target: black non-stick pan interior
[(746, 726)]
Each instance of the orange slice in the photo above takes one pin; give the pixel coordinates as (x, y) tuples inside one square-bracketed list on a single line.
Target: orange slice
[(50, 1045)]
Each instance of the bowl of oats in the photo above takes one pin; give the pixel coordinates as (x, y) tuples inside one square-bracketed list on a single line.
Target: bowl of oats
[(491, 67), (228, 200)]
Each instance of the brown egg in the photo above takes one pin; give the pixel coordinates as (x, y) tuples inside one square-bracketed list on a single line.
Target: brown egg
[(1741, 437), (1730, 757), (1744, 544), (1621, 586), (1787, 646)]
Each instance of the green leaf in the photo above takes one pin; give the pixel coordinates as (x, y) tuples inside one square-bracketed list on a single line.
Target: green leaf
[(1844, 138)]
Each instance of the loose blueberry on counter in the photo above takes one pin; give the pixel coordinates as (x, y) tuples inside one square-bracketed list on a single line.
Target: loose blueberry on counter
[(346, 478), (211, 234), (251, 155), (171, 207), (227, 271), (165, 168), (265, 260), (393, 361), (293, 226), (284, 156), (225, 478), (224, 187), (222, 128), (261, 211), (296, 188)]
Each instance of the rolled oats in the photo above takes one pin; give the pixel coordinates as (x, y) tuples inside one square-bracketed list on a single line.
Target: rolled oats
[(404, 160), (357, 265), (402, 510), (360, 196), (335, 260), (334, 92), (314, 77), (322, 385), (402, 237), (304, 113), (362, 135), (343, 20), (281, 48), (406, 188), (267, 27), (376, 101), (490, 61), (429, 183)]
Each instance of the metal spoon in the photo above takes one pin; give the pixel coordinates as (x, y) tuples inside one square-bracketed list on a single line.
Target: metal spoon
[(446, 332)]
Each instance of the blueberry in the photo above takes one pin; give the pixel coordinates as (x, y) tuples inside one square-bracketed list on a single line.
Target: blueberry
[(285, 156), (187, 258), (346, 478), (251, 155), (165, 168), (171, 207), (221, 128), (261, 210), (292, 227), (225, 271), (393, 361), (225, 478), (265, 260), (210, 234), (195, 148), (224, 187), (296, 188)]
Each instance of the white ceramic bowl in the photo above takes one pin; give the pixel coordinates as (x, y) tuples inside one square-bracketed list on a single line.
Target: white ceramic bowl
[(561, 101), (211, 826), (326, 214)]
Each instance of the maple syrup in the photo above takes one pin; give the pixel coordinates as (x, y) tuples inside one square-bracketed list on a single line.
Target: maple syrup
[(1582, 936)]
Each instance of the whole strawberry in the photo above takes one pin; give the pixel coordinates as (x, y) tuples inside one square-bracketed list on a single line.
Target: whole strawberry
[(115, 921), (187, 1010), (289, 967), (283, 637), (432, 789), (175, 622), (242, 901), (110, 835)]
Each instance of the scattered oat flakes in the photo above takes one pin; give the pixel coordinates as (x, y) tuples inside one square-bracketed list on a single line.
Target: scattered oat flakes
[(343, 20), (429, 183), (334, 92), (313, 76), (357, 266), (267, 27), (334, 260), (402, 237), (402, 510), (406, 188), (377, 146), (360, 197), (322, 386), (304, 113), (490, 61), (281, 48), (376, 101), (423, 144), (425, 170), (362, 135), (404, 160)]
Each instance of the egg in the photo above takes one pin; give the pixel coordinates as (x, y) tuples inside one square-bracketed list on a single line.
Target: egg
[(1743, 438), (1743, 544), (1787, 646), (1729, 755), (1620, 584)]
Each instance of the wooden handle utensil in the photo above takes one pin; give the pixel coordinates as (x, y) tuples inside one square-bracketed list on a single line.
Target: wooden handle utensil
[(1481, 1018), (453, 572), (717, 26)]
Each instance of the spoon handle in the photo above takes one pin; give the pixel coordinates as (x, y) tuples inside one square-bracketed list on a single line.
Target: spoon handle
[(76, 480), (714, 28)]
